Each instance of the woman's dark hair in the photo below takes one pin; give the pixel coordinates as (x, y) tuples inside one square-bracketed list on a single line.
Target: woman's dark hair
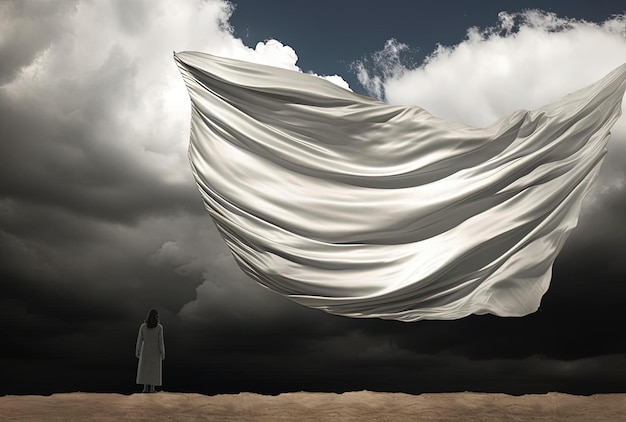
[(152, 319)]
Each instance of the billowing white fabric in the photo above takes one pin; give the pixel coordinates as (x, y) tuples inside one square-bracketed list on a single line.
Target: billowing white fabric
[(359, 208)]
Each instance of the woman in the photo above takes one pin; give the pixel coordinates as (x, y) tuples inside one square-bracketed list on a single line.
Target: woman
[(150, 350)]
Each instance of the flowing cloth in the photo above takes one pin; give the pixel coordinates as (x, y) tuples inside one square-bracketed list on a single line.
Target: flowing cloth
[(343, 203)]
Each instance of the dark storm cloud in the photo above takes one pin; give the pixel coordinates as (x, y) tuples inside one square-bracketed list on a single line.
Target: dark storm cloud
[(57, 162), (22, 41), (72, 155), (94, 175)]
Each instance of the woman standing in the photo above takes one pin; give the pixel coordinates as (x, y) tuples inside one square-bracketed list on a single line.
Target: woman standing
[(150, 350)]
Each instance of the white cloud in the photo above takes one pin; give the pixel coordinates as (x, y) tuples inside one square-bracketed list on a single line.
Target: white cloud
[(119, 54), (526, 61), (127, 65)]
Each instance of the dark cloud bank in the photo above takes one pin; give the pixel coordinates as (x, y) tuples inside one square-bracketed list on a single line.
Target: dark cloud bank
[(92, 234)]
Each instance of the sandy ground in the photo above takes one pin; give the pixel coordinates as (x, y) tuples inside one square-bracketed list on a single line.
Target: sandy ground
[(357, 406)]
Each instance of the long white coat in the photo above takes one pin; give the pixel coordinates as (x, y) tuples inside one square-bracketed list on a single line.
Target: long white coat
[(150, 350)]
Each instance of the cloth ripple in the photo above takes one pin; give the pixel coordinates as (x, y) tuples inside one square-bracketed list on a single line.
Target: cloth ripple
[(359, 208)]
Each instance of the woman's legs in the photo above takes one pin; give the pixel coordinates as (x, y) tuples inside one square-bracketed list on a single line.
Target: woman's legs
[(145, 388)]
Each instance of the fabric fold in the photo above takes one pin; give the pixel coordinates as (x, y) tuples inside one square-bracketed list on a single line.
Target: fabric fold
[(359, 208)]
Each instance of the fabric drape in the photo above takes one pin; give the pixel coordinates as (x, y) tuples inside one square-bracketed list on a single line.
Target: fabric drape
[(343, 203)]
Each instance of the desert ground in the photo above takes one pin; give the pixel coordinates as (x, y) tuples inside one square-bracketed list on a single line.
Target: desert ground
[(303, 406)]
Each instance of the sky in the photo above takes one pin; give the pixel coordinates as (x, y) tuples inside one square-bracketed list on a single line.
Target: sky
[(100, 218)]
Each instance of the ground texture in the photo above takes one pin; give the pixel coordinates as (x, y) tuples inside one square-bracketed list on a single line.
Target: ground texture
[(302, 406)]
